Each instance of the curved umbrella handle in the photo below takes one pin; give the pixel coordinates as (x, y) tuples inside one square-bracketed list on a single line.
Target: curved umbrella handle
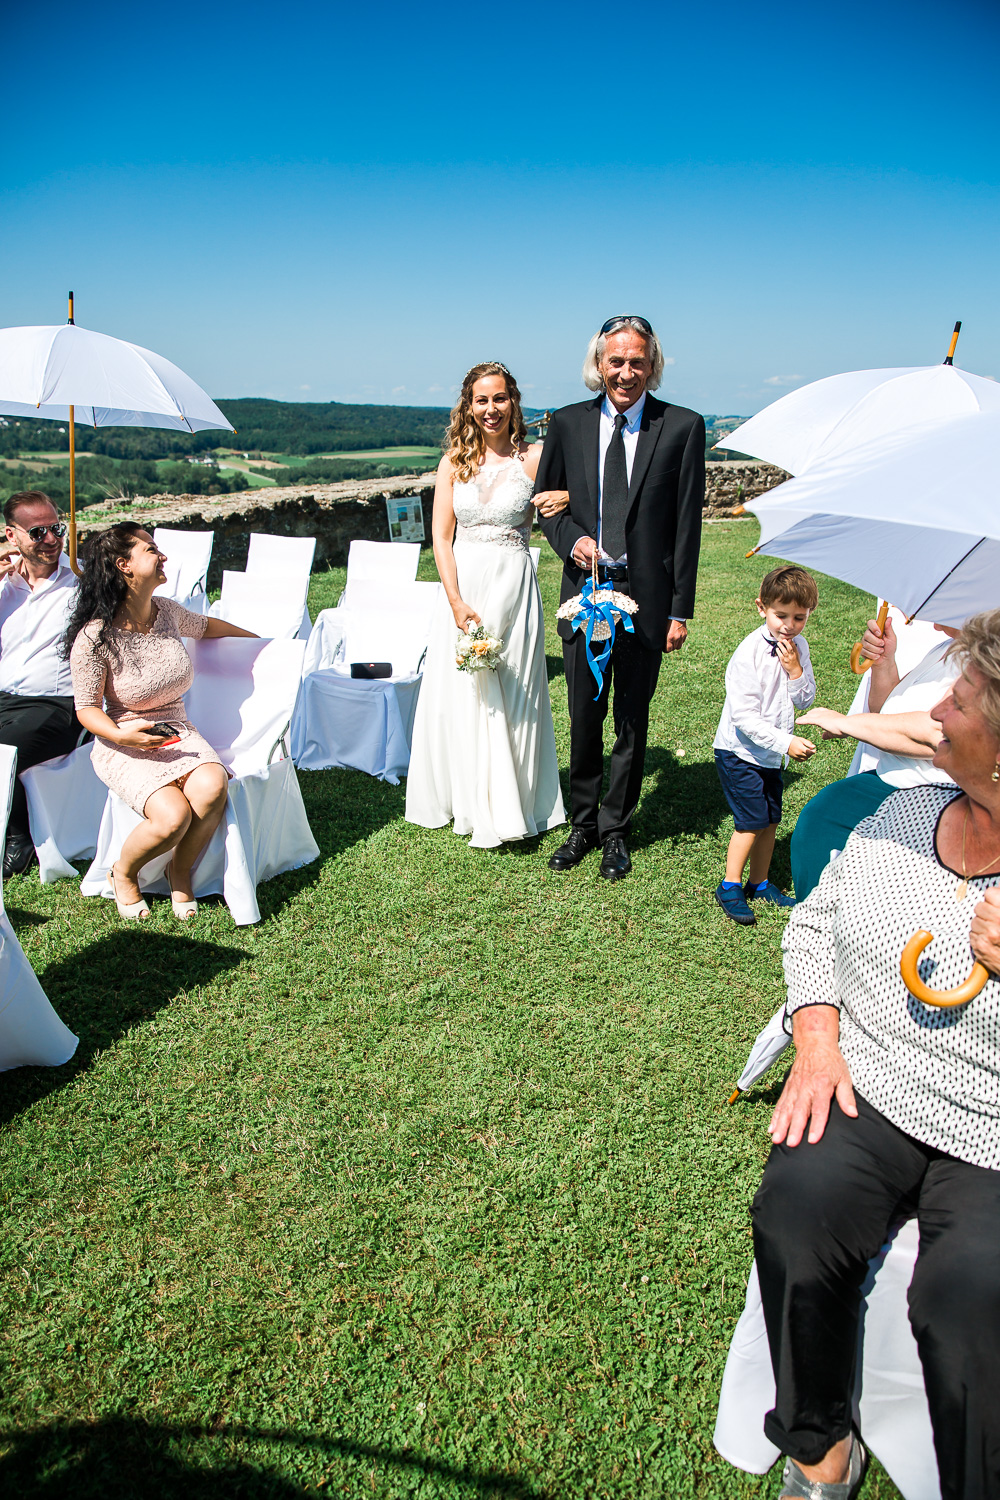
[(859, 662), (962, 993)]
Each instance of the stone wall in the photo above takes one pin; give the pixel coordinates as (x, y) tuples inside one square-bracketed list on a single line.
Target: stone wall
[(335, 514)]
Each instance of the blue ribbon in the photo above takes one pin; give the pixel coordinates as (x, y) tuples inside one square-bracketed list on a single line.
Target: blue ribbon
[(591, 610)]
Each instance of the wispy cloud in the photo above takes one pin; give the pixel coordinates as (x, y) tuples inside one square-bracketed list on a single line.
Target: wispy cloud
[(668, 359), (399, 390), (782, 379), (305, 387)]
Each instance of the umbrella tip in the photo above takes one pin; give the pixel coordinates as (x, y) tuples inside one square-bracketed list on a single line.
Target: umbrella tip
[(734, 1096), (950, 356)]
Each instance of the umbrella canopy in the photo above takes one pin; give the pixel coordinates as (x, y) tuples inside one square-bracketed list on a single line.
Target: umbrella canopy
[(912, 517), (829, 418), (764, 1053), (46, 370)]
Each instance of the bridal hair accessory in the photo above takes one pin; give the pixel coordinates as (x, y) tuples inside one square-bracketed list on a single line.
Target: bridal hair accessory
[(477, 649), (597, 610), (497, 365)]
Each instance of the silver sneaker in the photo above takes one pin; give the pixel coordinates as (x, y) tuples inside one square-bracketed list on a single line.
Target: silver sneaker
[(795, 1485)]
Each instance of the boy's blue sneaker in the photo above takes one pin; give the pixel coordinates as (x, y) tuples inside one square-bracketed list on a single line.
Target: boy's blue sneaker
[(733, 903), (769, 893)]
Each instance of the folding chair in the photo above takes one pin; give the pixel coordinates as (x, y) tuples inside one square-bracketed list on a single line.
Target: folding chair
[(283, 557), (65, 806), (242, 699), (273, 610), (188, 555), (31, 1034), (387, 564)]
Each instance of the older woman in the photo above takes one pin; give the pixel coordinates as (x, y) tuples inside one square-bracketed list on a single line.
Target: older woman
[(893, 1106), (897, 739), (130, 673)]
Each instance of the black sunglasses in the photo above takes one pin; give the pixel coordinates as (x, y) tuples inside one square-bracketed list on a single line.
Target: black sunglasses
[(627, 318), (38, 533)]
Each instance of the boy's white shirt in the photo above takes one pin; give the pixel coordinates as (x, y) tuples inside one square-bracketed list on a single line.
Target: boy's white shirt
[(758, 717)]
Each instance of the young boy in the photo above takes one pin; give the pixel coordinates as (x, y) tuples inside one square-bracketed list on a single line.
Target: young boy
[(769, 676)]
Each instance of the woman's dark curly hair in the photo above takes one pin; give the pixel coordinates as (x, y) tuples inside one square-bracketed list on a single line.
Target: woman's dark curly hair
[(102, 584)]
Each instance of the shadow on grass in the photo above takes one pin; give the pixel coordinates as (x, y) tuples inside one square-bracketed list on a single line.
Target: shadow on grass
[(125, 1458), (347, 807), (106, 989), (685, 800)]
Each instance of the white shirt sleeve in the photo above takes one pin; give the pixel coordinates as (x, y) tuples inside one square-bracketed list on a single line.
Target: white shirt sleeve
[(745, 695), (802, 690)]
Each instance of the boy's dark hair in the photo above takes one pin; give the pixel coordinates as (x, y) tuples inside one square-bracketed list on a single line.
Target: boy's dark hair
[(789, 585)]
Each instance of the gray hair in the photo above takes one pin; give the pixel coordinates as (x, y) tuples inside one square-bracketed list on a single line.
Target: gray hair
[(595, 351)]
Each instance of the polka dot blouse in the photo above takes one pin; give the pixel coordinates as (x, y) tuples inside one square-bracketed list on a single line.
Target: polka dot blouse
[(934, 1073)]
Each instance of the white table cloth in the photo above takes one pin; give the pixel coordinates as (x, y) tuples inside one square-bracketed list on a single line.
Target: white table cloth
[(347, 722)]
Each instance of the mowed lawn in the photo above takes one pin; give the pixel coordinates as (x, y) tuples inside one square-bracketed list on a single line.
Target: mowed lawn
[(427, 1185)]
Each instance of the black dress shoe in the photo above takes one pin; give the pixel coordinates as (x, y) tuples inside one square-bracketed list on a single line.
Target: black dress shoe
[(569, 855), (17, 855), (615, 862)]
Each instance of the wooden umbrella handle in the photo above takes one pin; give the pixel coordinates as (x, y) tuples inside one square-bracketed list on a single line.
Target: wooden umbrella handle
[(860, 662), (960, 995)]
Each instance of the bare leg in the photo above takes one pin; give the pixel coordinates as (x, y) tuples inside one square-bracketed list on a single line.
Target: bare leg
[(833, 1468), (760, 858), (740, 849), (167, 815), (206, 790)]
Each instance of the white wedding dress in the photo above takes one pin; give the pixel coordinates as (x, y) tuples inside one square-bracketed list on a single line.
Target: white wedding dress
[(484, 752)]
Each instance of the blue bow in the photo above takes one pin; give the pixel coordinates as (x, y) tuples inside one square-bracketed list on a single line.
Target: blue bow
[(591, 610)]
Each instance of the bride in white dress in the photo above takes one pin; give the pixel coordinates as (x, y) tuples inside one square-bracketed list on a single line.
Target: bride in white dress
[(484, 752)]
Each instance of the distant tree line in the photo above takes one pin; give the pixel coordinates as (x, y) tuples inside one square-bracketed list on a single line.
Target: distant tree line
[(296, 427), (99, 478), (333, 470)]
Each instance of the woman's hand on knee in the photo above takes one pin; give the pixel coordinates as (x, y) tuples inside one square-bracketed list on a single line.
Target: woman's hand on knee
[(819, 1074)]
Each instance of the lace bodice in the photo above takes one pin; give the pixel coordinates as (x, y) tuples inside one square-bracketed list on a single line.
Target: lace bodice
[(495, 506)]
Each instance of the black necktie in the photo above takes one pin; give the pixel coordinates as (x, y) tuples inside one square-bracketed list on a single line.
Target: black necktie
[(614, 495)]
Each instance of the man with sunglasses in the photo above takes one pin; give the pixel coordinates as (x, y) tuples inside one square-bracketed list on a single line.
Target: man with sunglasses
[(635, 471), (36, 689)]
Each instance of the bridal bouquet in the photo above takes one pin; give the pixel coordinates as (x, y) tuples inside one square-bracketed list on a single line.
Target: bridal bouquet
[(477, 649)]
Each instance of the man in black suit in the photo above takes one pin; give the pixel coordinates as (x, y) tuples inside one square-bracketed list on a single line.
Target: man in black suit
[(635, 471)]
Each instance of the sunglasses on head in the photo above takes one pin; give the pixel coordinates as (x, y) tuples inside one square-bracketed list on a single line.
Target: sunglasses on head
[(627, 318), (38, 533)]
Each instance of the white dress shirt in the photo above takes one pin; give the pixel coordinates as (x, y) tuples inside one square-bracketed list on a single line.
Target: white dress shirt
[(32, 624), (758, 716), (917, 692), (630, 438)]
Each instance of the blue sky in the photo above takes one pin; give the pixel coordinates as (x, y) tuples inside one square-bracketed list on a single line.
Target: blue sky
[(332, 202)]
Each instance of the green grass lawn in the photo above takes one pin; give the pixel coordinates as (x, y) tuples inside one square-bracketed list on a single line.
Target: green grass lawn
[(427, 1185)]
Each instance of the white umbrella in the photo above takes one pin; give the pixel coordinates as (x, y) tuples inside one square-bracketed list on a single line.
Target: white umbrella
[(832, 417), (66, 373), (764, 1053), (912, 517)]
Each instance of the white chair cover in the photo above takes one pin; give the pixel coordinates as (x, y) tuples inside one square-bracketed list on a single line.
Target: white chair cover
[(188, 555), (31, 1034), (389, 562), (65, 806), (272, 608), (283, 557), (241, 700), (347, 722), (890, 1408)]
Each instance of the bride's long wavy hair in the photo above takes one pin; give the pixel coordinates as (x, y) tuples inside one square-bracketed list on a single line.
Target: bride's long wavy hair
[(464, 442)]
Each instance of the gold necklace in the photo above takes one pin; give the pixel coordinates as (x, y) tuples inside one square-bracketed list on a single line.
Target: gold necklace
[(961, 890)]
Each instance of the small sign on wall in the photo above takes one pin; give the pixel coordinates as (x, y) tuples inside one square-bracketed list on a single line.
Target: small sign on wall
[(406, 518)]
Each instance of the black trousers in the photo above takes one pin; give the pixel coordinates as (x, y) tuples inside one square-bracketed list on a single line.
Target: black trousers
[(40, 728), (630, 682), (822, 1211)]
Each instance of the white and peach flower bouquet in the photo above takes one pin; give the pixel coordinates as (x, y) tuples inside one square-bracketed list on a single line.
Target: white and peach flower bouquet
[(477, 650)]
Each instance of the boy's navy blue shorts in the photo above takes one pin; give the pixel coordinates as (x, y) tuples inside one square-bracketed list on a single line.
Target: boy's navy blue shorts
[(753, 792)]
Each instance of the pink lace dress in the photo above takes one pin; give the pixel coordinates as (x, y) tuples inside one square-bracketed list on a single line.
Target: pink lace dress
[(143, 677)]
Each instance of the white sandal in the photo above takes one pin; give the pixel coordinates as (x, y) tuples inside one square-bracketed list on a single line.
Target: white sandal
[(129, 911), (183, 910)]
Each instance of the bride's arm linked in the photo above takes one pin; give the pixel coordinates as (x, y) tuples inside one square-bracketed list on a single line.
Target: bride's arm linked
[(443, 535), (546, 502)]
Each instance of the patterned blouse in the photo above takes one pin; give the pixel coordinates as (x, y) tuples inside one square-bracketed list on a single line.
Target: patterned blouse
[(933, 1073)]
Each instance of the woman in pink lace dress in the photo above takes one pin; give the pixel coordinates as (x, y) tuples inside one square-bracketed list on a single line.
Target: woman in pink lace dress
[(130, 673)]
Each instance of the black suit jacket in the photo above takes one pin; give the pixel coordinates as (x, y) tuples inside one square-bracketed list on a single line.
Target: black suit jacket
[(666, 495)]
